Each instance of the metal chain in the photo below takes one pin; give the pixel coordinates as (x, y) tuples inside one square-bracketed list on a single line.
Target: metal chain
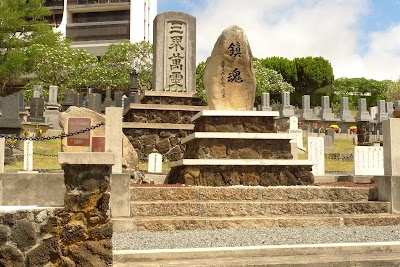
[(51, 137)]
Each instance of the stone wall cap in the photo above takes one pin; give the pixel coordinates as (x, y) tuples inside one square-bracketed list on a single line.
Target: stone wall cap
[(226, 135), (241, 162), (169, 94), (235, 113), (156, 125), (167, 107), (104, 158)]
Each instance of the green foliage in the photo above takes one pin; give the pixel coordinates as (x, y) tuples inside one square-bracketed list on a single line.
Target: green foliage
[(201, 93), (268, 81), (393, 91), (312, 73), (355, 88), (22, 23), (284, 66), (120, 60)]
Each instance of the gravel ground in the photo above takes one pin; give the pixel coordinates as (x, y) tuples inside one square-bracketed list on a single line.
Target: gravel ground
[(254, 237)]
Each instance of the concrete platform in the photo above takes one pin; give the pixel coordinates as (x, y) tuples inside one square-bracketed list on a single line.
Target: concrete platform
[(379, 254), (167, 107), (240, 162), (230, 135), (235, 113), (158, 126)]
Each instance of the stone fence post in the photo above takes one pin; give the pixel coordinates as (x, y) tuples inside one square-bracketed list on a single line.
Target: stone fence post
[(2, 147), (87, 230)]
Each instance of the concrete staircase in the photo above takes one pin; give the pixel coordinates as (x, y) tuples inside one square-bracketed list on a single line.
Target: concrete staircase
[(190, 208)]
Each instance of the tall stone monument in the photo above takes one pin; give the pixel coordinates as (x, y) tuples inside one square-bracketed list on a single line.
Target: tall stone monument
[(306, 113), (229, 78), (363, 113), (174, 53), (345, 113)]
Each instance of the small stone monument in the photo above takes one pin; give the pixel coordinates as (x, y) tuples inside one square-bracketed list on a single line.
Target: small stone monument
[(363, 113), (94, 102), (36, 109), (229, 78), (10, 122), (306, 112), (389, 109), (69, 100), (155, 163), (265, 102), (345, 113), (382, 113), (52, 109), (326, 112), (108, 100), (286, 109)]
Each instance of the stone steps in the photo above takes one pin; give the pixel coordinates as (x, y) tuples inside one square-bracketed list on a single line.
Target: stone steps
[(236, 222), (332, 255)]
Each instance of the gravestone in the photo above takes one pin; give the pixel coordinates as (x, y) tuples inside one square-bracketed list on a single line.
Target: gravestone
[(286, 109), (81, 139), (52, 109), (331, 133), (53, 95), (368, 160), (382, 113), (108, 100), (80, 102), (38, 88), (363, 113), (344, 112), (316, 154), (294, 129), (28, 155), (389, 109), (396, 103), (36, 110), (94, 102), (155, 163), (174, 52), (326, 111), (317, 111), (21, 102), (265, 102), (306, 112), (118, 98), (10, 122), (229, 78), (374, 111), (69, 100), (328, 142)]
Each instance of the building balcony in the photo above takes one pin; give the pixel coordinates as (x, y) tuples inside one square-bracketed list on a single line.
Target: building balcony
[(94, 32), (54, 4), (95, 2)]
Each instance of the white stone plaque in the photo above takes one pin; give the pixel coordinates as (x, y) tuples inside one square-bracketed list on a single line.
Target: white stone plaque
[(316, 154), (155, 163), (368, 160), (293, 123), (28, 155)]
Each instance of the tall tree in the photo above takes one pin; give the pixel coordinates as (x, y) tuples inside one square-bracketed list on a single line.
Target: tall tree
[(284, 66), (22, 23), (312, 73)]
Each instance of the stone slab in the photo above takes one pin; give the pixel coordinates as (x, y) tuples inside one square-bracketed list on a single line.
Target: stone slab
[(168, 94), (113, 136), (161, 126), (120, 195), (389, 190), (240, 162), (235, 113), (391, 146), (105, 158), (166, 107), (230, 135)]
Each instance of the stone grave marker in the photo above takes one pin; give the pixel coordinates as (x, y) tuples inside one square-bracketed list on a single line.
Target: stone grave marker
[(69, 100), (155, 163), (317, 111), (389, 109), (174, 67), (98, 144), (36, 110), (52, 109), (118, 98), (316, 153), (328, 142), (326, 111), (229, 78), (294, 129), (10, 123), (53, 95), (286, 109), (344, 112), (28, 155), (368, 160), (94, 102), (396, 103), (21, 102), (306, 112), (38, 88), (76, 124), (374, 112), (363, 113), (265, 102), (108, 102), (329, 131), (382, 113)]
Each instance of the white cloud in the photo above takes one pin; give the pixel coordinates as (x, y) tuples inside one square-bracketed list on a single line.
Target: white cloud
[(300, 28)]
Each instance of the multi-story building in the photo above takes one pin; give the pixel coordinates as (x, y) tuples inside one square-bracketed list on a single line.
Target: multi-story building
[(94, 24)]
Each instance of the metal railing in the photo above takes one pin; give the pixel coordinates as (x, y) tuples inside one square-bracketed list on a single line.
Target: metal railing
[(91, 2)]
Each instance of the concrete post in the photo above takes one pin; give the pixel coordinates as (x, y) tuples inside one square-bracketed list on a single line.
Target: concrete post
[(391, 146), (2, 147), (113, 135), (389, 190)]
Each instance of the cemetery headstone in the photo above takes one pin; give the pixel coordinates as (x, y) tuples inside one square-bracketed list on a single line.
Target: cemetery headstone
[(382, 113), (344, 112), (53, 95), (10, 122), (306, 112), (374, 111), (331, 133), (286, 109), (21, 102), (38, 88), (108, 102), (174, 67), (316, 154), (317, 111), (80, 102), (94, 102), (118, 99), (328, 142), (363, 113), (396, 103), (28, 155), (36, 110), (69, 100), (294, 129), (368, 160), (265, 102), (229, 78), (52, 109), (389, 109), (155, 163), (74, 125), (326, 112)]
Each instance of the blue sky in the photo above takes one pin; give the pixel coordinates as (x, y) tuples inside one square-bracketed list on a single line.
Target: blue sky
[(360, 38)]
